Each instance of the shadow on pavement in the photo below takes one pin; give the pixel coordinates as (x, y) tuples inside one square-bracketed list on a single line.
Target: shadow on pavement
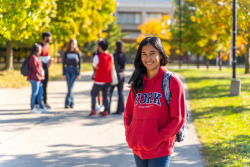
[(70, 116), (36, 120), (188, 160), (69, 155)]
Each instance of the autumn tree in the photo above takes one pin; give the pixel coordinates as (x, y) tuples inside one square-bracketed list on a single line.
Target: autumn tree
[(159, 28), (244, 29), (218, 14), (19, 21), (192, 31), (112, 35), (83, 20), (99, 14)]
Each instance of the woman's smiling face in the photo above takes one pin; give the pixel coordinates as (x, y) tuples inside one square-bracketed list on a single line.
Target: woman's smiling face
[(150, 58)]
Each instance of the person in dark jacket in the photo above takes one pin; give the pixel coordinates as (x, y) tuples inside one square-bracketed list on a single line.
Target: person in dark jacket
[(46, 62), (35, 76), (71, 70), (120, 61)]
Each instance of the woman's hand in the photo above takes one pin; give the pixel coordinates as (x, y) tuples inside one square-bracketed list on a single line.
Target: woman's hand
[(50, 63), (42, 75), (38, 77), (64, 77), (78, 77)]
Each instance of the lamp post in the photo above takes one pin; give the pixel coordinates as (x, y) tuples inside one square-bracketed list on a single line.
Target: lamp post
[(180, 33), (234, 37), (235, 83)]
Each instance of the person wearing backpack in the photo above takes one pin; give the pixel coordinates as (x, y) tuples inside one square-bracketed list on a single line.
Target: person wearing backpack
[(35, 76), (71, 70), (150, 125), (119, 61)]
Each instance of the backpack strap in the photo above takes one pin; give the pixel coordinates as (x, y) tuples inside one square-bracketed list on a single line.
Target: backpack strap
[(166, 87)]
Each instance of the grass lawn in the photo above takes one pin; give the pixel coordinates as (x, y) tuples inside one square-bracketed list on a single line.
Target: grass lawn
[(222, 121), (14, 79)]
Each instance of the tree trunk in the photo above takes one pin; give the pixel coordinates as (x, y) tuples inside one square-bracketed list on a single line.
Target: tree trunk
[(207, 63), (9, 56), (220, 61), (247, 59), (0, 55), (198, 61), (180, 62), (55, 50), (187, 59)]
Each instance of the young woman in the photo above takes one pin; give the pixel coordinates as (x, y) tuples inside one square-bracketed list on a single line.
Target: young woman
[(35, 76), (150, 125), (120, 61), (71, 70)]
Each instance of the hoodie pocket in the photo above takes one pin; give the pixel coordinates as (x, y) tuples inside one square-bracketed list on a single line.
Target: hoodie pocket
[(144, 135)]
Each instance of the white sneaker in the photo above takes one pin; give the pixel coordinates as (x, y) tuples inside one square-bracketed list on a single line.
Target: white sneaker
[(35, 111), (45, 110), (100, 108), (37, 106)]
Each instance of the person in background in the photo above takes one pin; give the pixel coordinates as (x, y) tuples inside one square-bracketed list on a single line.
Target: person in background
[(119, 61), (71, 70), (46, 62), (150, 126), (36, 74), (100, 106), (102, 63)]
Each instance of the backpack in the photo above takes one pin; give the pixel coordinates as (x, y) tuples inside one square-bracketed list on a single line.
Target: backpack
[(25, 67), (167, 94)]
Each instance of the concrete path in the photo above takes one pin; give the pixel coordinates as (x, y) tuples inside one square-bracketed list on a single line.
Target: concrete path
[(66, 138)]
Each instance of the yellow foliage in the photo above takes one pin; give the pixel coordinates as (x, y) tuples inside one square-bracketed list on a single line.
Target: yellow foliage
[(225, 57), (103, 35), (201, 43), (156, 27), (193, 18), (214, 37), (89, 54)]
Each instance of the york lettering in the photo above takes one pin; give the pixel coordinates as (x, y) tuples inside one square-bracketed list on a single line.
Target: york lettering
[(137, 97), (148, 98)]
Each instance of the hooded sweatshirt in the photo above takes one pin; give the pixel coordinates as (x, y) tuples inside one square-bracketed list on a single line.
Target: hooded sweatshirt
[(35, 67), (150, 126)]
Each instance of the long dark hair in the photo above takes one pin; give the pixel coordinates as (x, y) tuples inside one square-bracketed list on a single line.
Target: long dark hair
[(119, 47), (35, 49), (136, 80), (68, 49)]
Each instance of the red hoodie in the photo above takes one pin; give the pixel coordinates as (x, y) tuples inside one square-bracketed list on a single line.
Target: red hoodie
[(150, 126)]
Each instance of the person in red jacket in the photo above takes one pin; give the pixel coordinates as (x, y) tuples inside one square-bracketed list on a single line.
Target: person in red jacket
[(150, 126), (102, 63), (35, 76)]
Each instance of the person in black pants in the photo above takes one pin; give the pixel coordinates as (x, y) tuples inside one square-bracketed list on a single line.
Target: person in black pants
[(46, 62), (120, 61), (102, 63)]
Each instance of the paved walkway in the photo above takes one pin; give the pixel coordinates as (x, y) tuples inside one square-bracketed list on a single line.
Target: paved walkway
[(69, 138)]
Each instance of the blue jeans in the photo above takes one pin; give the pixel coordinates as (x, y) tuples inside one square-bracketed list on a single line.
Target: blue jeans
[(37, 92), (71, 74), (156, 162)]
